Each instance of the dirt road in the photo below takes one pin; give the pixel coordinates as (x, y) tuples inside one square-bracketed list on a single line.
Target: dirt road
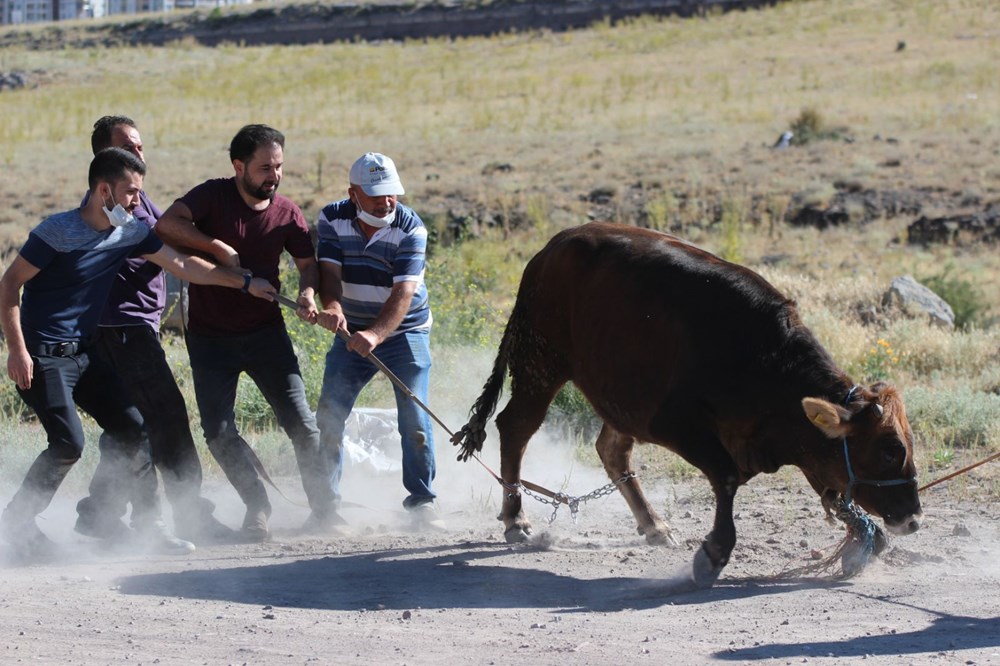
[(586, 593)]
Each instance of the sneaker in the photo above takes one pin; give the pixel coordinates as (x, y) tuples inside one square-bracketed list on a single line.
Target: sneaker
[(158, 539), (113, 529), (26, 543), (255, 524), (425, 518), (207, 529), (327, 523)]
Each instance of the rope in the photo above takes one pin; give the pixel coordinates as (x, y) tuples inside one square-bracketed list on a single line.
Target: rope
[(473, 430), (864, 538), (958, 472)]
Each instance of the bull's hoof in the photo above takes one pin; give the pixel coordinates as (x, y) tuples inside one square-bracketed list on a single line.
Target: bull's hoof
[(704, 572), (659, 536), (517, 534)]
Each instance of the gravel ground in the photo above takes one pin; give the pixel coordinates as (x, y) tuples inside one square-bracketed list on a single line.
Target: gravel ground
[(584, 592)]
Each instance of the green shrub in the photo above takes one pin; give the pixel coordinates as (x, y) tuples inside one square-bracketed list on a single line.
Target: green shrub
[(967, 301), (734, 213), (572, 410), (659, 209), (12, 407), (954, 416), (464, 284), (810, 126)]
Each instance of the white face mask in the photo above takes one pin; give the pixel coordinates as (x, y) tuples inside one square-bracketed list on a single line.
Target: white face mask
[(118, 216), (372, 220)]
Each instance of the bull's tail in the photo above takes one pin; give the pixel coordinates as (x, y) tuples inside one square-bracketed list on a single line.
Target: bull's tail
[(472, 435)]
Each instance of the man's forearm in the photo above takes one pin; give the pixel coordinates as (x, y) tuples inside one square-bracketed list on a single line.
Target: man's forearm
[(10, 321), (308, 279), (177, 229), (199, 271), (330, 292), (392, 314)]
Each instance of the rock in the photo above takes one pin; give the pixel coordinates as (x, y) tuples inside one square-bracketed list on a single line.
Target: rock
[(601, 195), (13, 80), (966, 229), (497, 167), (784, 140), (867, 314), (916, 300), (853, 203), (961, 530), (812, 216)]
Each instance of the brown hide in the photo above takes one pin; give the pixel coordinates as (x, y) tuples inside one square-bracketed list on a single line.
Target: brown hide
[(675, 346)]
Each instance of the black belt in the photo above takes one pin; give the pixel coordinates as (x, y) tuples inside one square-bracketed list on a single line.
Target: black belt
[(56, 349)]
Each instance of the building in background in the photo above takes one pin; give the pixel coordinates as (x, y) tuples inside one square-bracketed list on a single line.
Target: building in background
[(37, 11), (17, 12)]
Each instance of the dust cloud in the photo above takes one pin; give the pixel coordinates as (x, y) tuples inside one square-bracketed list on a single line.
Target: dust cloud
[(372, 491)]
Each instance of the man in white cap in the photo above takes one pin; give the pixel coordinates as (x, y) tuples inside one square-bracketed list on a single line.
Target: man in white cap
[(371, 256)]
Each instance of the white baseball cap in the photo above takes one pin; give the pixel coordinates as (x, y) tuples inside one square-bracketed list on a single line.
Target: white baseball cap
[(376, 175)]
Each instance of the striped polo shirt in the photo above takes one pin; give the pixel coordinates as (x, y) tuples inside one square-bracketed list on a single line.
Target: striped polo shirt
[(396, 253)]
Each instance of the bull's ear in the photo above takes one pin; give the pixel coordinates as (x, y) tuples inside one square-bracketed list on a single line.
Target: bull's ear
[(832, 420)]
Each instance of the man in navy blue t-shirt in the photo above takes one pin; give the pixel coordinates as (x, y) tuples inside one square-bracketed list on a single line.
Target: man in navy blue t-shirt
[(66, 268)]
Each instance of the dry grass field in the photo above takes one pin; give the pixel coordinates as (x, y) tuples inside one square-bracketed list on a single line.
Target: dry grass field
[(502, 141), (668, 123)]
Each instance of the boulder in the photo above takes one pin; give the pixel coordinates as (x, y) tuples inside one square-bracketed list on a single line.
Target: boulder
[(13, 80), (915, 300), (960, 230)]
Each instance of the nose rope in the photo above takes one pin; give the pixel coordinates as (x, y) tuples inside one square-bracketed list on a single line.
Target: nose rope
[(852, 480)]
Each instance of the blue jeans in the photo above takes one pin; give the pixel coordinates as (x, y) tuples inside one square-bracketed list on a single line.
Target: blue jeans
[(268, 358), (408, 356)]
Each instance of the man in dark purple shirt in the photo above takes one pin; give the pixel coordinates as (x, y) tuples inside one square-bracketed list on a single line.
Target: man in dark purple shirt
[(129, 340), (243, 222)]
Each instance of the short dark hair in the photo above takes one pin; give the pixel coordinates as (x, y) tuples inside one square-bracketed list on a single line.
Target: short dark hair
[(101, 136), (250, 138), (111, 164)]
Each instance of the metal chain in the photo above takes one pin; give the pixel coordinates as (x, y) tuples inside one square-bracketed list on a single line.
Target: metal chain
[(574, 502)]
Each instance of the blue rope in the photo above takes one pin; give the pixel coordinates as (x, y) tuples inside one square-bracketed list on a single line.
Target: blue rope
[(864, 537), (861, 542)]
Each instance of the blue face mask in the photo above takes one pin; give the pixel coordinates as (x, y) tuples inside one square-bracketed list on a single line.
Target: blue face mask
[(118, 216)]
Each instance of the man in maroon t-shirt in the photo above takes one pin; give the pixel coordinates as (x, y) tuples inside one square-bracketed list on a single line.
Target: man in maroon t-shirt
[(243, 222)]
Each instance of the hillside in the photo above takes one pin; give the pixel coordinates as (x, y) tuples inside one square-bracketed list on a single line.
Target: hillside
[(325, 22), (664, 121)]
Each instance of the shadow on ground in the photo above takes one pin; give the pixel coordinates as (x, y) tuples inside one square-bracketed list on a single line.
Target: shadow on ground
[(466, 576), (944, 633)]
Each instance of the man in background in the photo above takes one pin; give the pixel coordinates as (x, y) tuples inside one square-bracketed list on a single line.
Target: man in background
[(66, 268), (128, 338)]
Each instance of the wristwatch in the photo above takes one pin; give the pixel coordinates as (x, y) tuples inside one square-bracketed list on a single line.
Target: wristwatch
[(247, 277)]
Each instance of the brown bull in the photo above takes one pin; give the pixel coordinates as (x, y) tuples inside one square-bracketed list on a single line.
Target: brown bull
[(674, 346)]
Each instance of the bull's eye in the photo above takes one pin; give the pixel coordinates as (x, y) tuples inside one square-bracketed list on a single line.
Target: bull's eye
[(892, 454)]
